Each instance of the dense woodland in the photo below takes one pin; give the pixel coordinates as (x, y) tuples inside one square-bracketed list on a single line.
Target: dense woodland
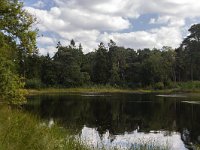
[(109, 64), (115, 65)]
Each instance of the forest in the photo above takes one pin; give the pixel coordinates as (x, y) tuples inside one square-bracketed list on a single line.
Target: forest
[(109, 64), (115, 65)]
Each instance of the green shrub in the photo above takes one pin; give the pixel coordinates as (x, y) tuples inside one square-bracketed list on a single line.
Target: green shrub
[(159, 86), (10, 84), (190, 85), (33, 84), (171, 85)]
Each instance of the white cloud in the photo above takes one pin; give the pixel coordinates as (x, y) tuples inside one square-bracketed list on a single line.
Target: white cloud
[(48, 20), (88, 38), (45, 41), (68, 19), (84, 20), (165, 36), (133, 8), (178, 8), (51, 50), (39, 4), (93, 21), (168, 20)]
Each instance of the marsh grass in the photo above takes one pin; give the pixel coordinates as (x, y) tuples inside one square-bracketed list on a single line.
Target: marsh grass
[(179, 87), (22, 131), (192, 85), (94, 90)]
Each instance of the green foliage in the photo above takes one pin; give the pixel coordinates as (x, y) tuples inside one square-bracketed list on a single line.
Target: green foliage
[(159, 86), (101, 69), (16, 30), (189, 85), (171, 85), (35, 62), (114, 77), (67, 63), (117, 63), (48, 74), (17, 40), (19, 130), (33, 84), (188, 56), (114, 65), (10, 84), (151, 68), (119, 66), (17, 23)]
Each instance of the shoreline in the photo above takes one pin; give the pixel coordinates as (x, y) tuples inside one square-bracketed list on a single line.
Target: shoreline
[(107, 91), (92, 91), (22, 130)]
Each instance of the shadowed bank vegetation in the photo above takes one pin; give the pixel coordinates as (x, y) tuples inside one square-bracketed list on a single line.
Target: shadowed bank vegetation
[(186, 87), (21, 131)]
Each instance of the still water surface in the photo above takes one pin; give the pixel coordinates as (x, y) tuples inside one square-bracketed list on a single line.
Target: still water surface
[(124, 120)]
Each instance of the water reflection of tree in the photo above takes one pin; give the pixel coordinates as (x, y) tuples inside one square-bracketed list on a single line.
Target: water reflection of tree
[(120, 113)]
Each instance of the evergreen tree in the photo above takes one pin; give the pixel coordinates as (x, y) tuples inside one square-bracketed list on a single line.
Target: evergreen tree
[(100, 69)]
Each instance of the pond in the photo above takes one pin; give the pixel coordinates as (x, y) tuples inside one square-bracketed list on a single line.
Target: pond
[(123, 120)]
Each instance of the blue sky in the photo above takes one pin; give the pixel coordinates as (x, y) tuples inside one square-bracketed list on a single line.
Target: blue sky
[(130, 23)]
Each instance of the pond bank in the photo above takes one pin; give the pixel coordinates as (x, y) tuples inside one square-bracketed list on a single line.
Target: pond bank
[(20, 130), (107, 90), (93, 90)]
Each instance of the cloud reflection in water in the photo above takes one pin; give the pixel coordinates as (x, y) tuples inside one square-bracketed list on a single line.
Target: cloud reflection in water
[(134, 140)]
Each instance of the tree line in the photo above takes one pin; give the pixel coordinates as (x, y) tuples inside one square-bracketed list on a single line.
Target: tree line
[(116, 65), (109, 64)]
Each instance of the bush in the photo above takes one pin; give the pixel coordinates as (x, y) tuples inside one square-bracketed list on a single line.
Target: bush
[(171, 85), (10, 84), (190, 85), (159, 86), (33, 84)]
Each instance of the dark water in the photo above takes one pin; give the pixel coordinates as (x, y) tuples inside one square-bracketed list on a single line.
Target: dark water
[(122, 113)]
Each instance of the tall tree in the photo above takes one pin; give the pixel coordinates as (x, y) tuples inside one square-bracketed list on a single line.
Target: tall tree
[(152, 70), (100, 69), (16, 24), (190, 50), (48, 73), (133, 68), (117, 64), (17, 39), (68, 61)]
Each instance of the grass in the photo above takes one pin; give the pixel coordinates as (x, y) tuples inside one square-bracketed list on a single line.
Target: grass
[(94, 89), (192, 86), (181, 87), (111, 90), (22, 131), (197, 147)]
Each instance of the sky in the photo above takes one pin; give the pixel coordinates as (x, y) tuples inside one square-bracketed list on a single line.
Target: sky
[(133, 24)]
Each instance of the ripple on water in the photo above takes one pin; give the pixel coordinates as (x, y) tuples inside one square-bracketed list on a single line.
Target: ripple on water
[(173, 95), (94, 95), (192, 102)]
